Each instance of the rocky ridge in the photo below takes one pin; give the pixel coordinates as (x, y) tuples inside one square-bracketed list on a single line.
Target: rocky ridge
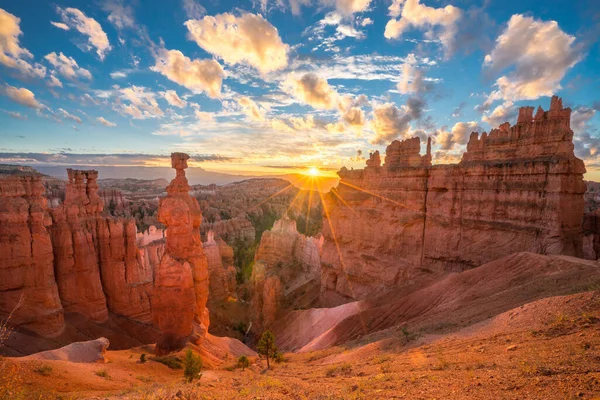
[(408, 222)]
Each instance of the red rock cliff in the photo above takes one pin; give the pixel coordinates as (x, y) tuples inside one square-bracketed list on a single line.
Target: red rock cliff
[(517, 188), (26, 259)]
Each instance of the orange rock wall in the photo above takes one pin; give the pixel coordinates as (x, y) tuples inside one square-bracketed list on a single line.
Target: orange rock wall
[(407, 222), (26, 260)]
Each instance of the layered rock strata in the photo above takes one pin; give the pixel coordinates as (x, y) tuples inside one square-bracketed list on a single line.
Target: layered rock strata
[(28, 286), (285, 260), (219, 256), (407, 222), (181, 280), (70, 258)]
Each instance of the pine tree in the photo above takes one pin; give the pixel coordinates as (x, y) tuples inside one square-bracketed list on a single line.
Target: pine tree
[(192, 365), (266, 346)]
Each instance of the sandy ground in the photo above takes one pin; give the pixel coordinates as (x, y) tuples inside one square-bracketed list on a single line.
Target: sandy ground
[(548, 349)]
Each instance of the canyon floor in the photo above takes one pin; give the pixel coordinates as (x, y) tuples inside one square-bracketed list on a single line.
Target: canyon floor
[(547, 349)]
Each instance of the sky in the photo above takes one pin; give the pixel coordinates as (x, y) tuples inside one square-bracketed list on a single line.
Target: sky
[(276, 86)]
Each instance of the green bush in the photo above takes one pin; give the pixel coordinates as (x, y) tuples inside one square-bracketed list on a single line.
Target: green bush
[(143, 358), (192, 364), (243, 362), (170, 361)]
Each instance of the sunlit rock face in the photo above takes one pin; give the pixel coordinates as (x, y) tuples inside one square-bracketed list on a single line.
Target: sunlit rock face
[(181, 280), (26, 258), (75, 231), (408, 222), (285, 260), (219, 257)]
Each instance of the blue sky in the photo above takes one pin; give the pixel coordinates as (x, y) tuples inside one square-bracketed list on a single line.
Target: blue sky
[(269, 86)]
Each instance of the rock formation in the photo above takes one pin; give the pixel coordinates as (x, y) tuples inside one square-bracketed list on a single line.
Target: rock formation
[(75, 230), (285, 261), (70, 258), (221, 271), (181, 280), (26, 268), (407, 222), (92, 351)]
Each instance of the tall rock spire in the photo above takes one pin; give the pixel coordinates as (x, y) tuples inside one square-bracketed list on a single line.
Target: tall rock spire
[(181, 282)]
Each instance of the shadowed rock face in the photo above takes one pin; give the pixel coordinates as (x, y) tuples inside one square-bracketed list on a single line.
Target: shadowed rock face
[(181, 281), (26, 269), (285, 261), (407, 222)]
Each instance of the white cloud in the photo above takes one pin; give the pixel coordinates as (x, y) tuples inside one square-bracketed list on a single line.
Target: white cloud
[(15, 115), (54, 82), (347, 7), (21, 95), (251, 109), (60, 25), (354, 116), (193, 9), (105, 122), (142, 104), (539, 54), (411, 80), (366, 22), (196, 75), (312, 90), (173, 99), (439, 23), (67, 66), (68, 115), (458, 135), (121, 16), (77, 20), (390, 122), (248, 38), (11, 54), (503, 113)]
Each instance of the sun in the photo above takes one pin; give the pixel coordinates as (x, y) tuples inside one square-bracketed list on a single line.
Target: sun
[(313, 171)]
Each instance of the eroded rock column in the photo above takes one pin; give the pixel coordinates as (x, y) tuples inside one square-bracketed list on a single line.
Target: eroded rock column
[(181, 281)]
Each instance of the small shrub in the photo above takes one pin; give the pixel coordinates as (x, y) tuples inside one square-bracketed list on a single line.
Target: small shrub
[(143, 358), (172, 362), (44, 370), (344, 369), (243, 362), (102, 373), (278, 357), (192, 366)]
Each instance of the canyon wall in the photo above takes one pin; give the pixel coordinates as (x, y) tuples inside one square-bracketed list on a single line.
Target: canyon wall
[(219, 256), (284, 262), (26, 267), (408, 222), (72, 259)]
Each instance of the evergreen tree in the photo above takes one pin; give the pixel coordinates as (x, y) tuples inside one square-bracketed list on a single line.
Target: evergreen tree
[(266, 346)]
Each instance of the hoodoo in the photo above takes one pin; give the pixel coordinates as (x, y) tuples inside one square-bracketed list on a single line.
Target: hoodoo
[(407, 222), (181, 280)]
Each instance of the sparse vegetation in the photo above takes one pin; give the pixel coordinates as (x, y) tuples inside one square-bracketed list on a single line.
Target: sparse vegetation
[(343, 369), (43, 369), (143, 358), (243, 362), (102, 373), (192, 366), (170, 361), (266, 346)]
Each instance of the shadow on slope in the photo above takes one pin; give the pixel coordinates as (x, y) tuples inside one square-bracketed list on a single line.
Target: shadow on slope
[(457, 301)]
